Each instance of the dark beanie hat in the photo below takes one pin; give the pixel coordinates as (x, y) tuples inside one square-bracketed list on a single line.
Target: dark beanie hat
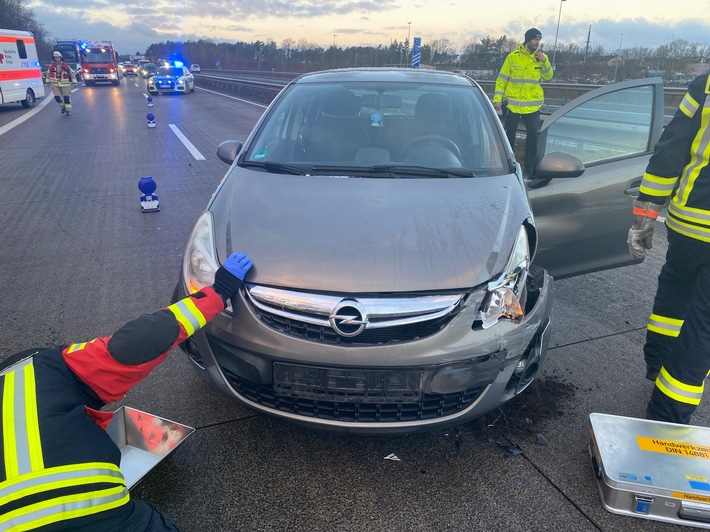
[(531, 34)]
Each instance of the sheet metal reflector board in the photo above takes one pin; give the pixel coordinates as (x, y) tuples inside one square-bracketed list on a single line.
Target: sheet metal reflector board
[(145, 440), (651, 469)]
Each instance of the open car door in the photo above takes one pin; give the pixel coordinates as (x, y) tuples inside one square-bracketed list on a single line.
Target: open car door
[(583, 221)]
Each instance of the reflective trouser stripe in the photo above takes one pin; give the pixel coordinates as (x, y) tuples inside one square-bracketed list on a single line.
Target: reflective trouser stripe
[(664, 325), (64, 508), (678, 391), (188, 315), (22, 446)]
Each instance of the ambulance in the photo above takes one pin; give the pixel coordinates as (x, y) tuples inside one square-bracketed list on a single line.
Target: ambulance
[(20, 73)]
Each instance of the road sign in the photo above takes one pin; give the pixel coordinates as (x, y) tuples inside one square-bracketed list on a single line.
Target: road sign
[(218, 64), (416, 52)]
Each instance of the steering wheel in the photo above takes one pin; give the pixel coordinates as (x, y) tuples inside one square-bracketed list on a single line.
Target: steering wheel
[(444, 142)]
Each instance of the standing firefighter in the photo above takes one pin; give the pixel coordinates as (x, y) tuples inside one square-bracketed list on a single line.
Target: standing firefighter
[(59, 469), (518, 87), (61, 77), (677, 349)]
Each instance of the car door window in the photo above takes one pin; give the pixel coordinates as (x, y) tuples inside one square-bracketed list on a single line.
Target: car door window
[(613, 125)]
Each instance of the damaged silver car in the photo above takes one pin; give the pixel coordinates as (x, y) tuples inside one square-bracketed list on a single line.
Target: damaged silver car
[(403, 267)]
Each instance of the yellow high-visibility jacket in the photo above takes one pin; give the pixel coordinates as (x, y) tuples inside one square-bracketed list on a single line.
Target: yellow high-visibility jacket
[(680, 165), (518, 83)]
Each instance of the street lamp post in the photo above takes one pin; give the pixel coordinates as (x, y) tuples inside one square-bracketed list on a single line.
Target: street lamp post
[(618, 56), (334, 36), (409, 43), (554, 50)]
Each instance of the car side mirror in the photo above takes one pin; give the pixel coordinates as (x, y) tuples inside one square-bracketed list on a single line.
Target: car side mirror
[(555, 165), (228, 151)]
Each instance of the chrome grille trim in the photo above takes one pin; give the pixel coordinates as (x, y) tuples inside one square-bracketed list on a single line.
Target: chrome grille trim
[(316, 309)]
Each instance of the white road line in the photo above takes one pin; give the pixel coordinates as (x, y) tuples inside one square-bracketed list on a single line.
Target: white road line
[(194, 151), (29, 114), (232, 97)]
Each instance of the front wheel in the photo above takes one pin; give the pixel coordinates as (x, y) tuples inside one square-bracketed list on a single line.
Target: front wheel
[(29, 100)]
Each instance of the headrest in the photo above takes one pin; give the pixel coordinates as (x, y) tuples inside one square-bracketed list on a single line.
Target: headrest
[(340, 102), (433, 105)]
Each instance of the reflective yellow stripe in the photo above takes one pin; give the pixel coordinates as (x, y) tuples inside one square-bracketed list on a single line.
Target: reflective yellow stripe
[(691, 231), (677, 390), (698, 160), (34, 444), (655, 185), (60, 477), (688, 106), (76, 347), (8, 427), (188, 315), (664, 325), (64, 508)]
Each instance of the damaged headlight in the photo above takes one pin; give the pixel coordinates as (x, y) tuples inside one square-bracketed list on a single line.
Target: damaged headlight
[(506, 293), (200, 263)]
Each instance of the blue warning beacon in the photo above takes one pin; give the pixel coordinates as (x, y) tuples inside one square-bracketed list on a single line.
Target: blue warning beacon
[(149, 201)]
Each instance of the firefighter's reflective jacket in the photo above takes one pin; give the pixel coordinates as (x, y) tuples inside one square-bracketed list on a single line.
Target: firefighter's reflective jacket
[(61, 75), (60, 467), (518, 83), (679, 165)]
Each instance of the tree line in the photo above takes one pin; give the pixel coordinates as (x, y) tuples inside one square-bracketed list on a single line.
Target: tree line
[(677, 61)]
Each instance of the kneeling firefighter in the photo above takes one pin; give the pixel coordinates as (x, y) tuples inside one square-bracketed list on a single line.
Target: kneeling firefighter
[(59, 468)]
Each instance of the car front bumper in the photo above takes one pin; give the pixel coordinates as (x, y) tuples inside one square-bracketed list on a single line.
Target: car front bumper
[(451, 377)]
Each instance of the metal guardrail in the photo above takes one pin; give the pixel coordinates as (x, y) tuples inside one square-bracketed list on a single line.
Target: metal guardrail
[(264, 86)]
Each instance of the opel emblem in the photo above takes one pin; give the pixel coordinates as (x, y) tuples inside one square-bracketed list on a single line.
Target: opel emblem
[(348, 318)]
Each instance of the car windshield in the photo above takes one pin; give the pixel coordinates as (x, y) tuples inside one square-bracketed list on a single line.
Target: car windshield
[(362, 128), (169, 71)]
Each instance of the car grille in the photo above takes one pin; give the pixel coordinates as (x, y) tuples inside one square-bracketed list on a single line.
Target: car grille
[(387, 320), (99, 70), (426, 406)]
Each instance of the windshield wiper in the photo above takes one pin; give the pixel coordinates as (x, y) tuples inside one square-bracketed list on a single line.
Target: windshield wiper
[(397, 170), (275, 168), (402, 169)]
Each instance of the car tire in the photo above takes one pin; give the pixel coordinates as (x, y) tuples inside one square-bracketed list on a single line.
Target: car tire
[(29, 100)]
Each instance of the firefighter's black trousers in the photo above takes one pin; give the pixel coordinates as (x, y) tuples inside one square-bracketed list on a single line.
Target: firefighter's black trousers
[(683, 297)]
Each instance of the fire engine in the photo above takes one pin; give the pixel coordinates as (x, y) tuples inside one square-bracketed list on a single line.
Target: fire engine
[(99, 63), (20, 73)]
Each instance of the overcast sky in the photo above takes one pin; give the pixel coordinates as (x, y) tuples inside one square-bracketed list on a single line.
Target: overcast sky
[(132, 26)]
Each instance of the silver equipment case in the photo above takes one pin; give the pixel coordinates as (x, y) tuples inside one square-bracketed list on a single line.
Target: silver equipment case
[(651, 469)]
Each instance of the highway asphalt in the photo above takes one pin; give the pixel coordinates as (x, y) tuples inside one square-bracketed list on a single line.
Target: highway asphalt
[(78, 259)]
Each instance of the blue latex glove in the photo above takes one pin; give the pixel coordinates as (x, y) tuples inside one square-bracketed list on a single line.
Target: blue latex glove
[(237, 264), (230, 275)]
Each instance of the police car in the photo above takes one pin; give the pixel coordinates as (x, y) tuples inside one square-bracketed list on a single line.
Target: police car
[(172, 78)]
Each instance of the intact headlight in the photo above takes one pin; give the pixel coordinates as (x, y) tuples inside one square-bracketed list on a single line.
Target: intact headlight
[(506, 293), (200, 262)]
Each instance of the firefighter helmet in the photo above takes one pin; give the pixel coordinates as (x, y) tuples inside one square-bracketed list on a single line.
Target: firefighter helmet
[(56, 55)]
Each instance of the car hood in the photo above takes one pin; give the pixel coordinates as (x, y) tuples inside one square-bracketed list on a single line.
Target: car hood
[(165, 78), (369, 235)]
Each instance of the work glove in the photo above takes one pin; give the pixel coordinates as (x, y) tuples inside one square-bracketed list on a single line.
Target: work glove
[(230, 275), (641, 233)]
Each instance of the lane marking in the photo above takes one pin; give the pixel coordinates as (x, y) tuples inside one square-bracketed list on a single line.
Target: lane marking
[(29, 114), (191, 148), (48, 97), (233, 97)]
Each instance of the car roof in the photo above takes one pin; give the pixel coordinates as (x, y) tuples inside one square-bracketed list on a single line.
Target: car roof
[(412, 75)]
